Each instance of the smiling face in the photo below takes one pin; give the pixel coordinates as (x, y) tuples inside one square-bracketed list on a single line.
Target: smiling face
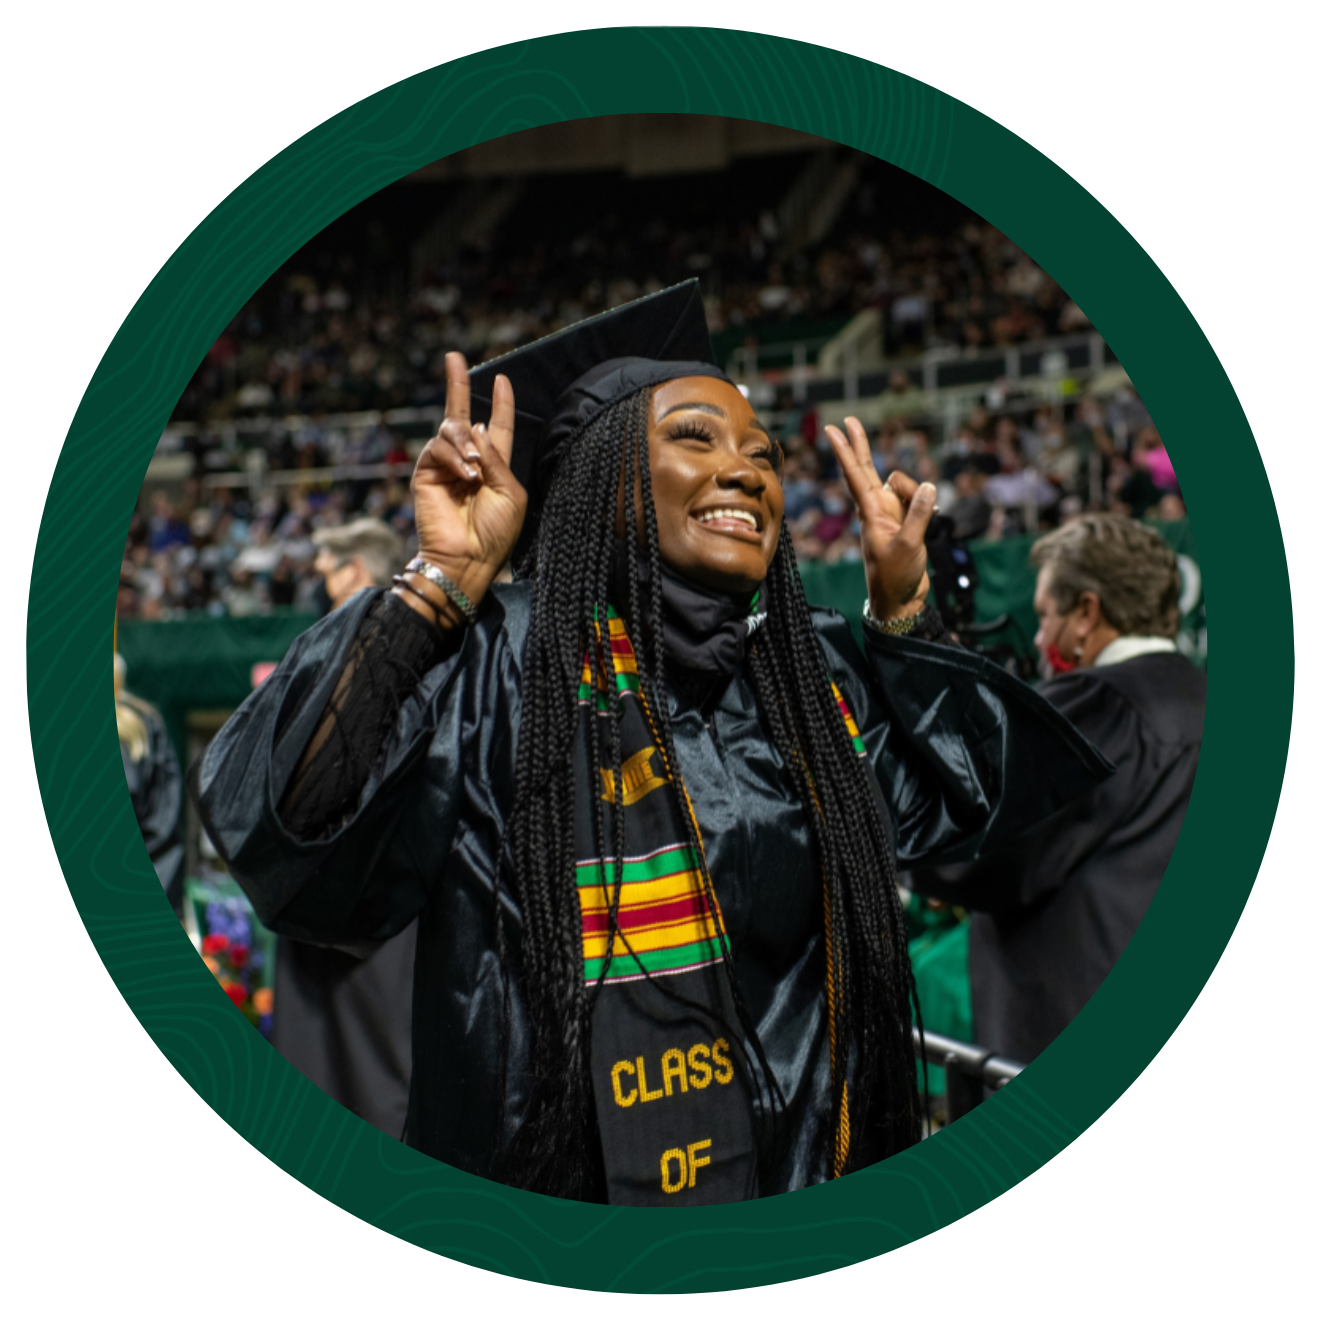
[(715, 483)]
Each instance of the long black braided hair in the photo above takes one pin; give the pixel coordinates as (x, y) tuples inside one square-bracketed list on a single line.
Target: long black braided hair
[(556, 1149)]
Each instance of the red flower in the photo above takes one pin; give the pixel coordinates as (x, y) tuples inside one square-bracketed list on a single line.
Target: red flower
[(238, 955), (215, 943), (237, 993)]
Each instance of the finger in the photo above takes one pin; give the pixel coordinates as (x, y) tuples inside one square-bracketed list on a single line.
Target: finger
[(862, 449), (902, 484), (447, 461), (456, 387), (848, 464), (501, 429), (461, 438), (849, 459), (864, 485), (497, 475), (913, 533)]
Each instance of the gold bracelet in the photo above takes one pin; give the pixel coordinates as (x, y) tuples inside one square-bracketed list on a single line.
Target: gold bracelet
[(900, 627)]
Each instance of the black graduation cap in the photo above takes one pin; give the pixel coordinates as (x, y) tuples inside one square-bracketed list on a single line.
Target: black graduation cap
[(563, 381)]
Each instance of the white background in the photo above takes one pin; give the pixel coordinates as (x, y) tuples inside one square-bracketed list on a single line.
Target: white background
[(127, 123)]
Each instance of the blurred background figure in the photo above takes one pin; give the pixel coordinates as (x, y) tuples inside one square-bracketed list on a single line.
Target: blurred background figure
[(346, 1022), (362, 554), (154, 784), (1053, 911)]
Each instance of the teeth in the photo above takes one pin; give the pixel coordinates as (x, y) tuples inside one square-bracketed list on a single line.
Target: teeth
[(712, 514)]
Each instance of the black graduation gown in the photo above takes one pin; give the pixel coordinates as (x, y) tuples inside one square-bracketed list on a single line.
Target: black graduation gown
[(155, 787), (963, 754), (1056, 908), (346, 1023)]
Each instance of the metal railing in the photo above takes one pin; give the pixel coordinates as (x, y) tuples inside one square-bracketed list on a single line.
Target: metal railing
[(936, 369), (971, 1073)]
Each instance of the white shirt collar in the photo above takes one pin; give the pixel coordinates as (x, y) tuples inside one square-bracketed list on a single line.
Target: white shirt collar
[(1128, 648)]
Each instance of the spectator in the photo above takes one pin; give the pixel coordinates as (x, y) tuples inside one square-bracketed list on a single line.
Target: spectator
[(350, 559), (1054, 910)]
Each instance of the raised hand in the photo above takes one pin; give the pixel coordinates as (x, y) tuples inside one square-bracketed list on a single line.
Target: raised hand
[(468, 505), (894, 525)]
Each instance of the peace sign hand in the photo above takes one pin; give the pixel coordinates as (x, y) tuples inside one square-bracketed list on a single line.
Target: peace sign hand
[(894, 517), (468, 504)]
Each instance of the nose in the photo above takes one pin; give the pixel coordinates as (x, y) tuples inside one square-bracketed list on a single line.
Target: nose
[(738, 472)]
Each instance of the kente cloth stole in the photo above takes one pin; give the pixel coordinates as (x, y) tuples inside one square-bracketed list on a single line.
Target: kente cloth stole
[(669, 1071), (669, 1068)]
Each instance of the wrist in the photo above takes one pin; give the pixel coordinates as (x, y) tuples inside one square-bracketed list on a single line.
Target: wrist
[(897, 623), (420, 604), (472, 577), (881, 611), (446, 613)]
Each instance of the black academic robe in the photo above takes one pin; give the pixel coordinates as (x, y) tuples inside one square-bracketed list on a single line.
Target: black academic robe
[(155, 787), (346, 1023), (1054, 910), (963, 756)]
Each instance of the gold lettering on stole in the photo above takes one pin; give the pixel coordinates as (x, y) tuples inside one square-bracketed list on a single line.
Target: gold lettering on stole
[(699, 1071), (682, 1181), (639, 777), (720, 1057), (674, 1068), (694, 1163), (642, 1083), (622, 1100)]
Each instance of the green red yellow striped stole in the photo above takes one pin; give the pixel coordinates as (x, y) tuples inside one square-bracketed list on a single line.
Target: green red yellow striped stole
[(849, 722), (625, 662), (664, 923)]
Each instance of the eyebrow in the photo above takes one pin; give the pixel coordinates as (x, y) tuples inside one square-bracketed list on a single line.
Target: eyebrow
[(713, 409)]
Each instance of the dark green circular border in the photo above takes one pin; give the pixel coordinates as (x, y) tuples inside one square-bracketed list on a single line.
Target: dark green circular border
[(375, 142)]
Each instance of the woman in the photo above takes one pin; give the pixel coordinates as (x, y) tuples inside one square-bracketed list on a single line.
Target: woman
[(1056, 908), (645, 802)]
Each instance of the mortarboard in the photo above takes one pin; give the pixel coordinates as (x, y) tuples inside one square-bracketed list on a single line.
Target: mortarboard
[(563, 381)]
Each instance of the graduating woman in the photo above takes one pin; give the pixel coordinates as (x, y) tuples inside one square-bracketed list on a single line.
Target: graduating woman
[(645, 802)]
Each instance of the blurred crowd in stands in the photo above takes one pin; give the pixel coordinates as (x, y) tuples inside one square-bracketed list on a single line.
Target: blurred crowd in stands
[(347, 327), (218, 550), (340, 331), (997, 476)]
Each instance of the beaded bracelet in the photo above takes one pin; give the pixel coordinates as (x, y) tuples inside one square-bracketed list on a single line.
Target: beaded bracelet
[(438, 579)]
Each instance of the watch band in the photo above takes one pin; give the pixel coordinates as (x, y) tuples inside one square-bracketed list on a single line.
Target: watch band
[(439, 579)]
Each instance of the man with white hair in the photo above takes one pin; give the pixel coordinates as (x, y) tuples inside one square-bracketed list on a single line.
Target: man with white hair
[(361, 554), (1053, 910)]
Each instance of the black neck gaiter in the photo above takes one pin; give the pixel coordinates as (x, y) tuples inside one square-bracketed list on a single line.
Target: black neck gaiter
[(704, 631)]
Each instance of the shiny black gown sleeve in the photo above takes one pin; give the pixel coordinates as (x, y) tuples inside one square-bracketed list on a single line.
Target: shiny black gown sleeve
[(343, 850), (966, 756), (1127, 826)]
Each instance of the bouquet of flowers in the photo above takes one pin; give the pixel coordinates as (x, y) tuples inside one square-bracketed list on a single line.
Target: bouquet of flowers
[(236, 948)]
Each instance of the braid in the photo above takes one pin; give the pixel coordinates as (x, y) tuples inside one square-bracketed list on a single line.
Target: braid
[(556, 1149), (556, 1146), (871, 979)]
